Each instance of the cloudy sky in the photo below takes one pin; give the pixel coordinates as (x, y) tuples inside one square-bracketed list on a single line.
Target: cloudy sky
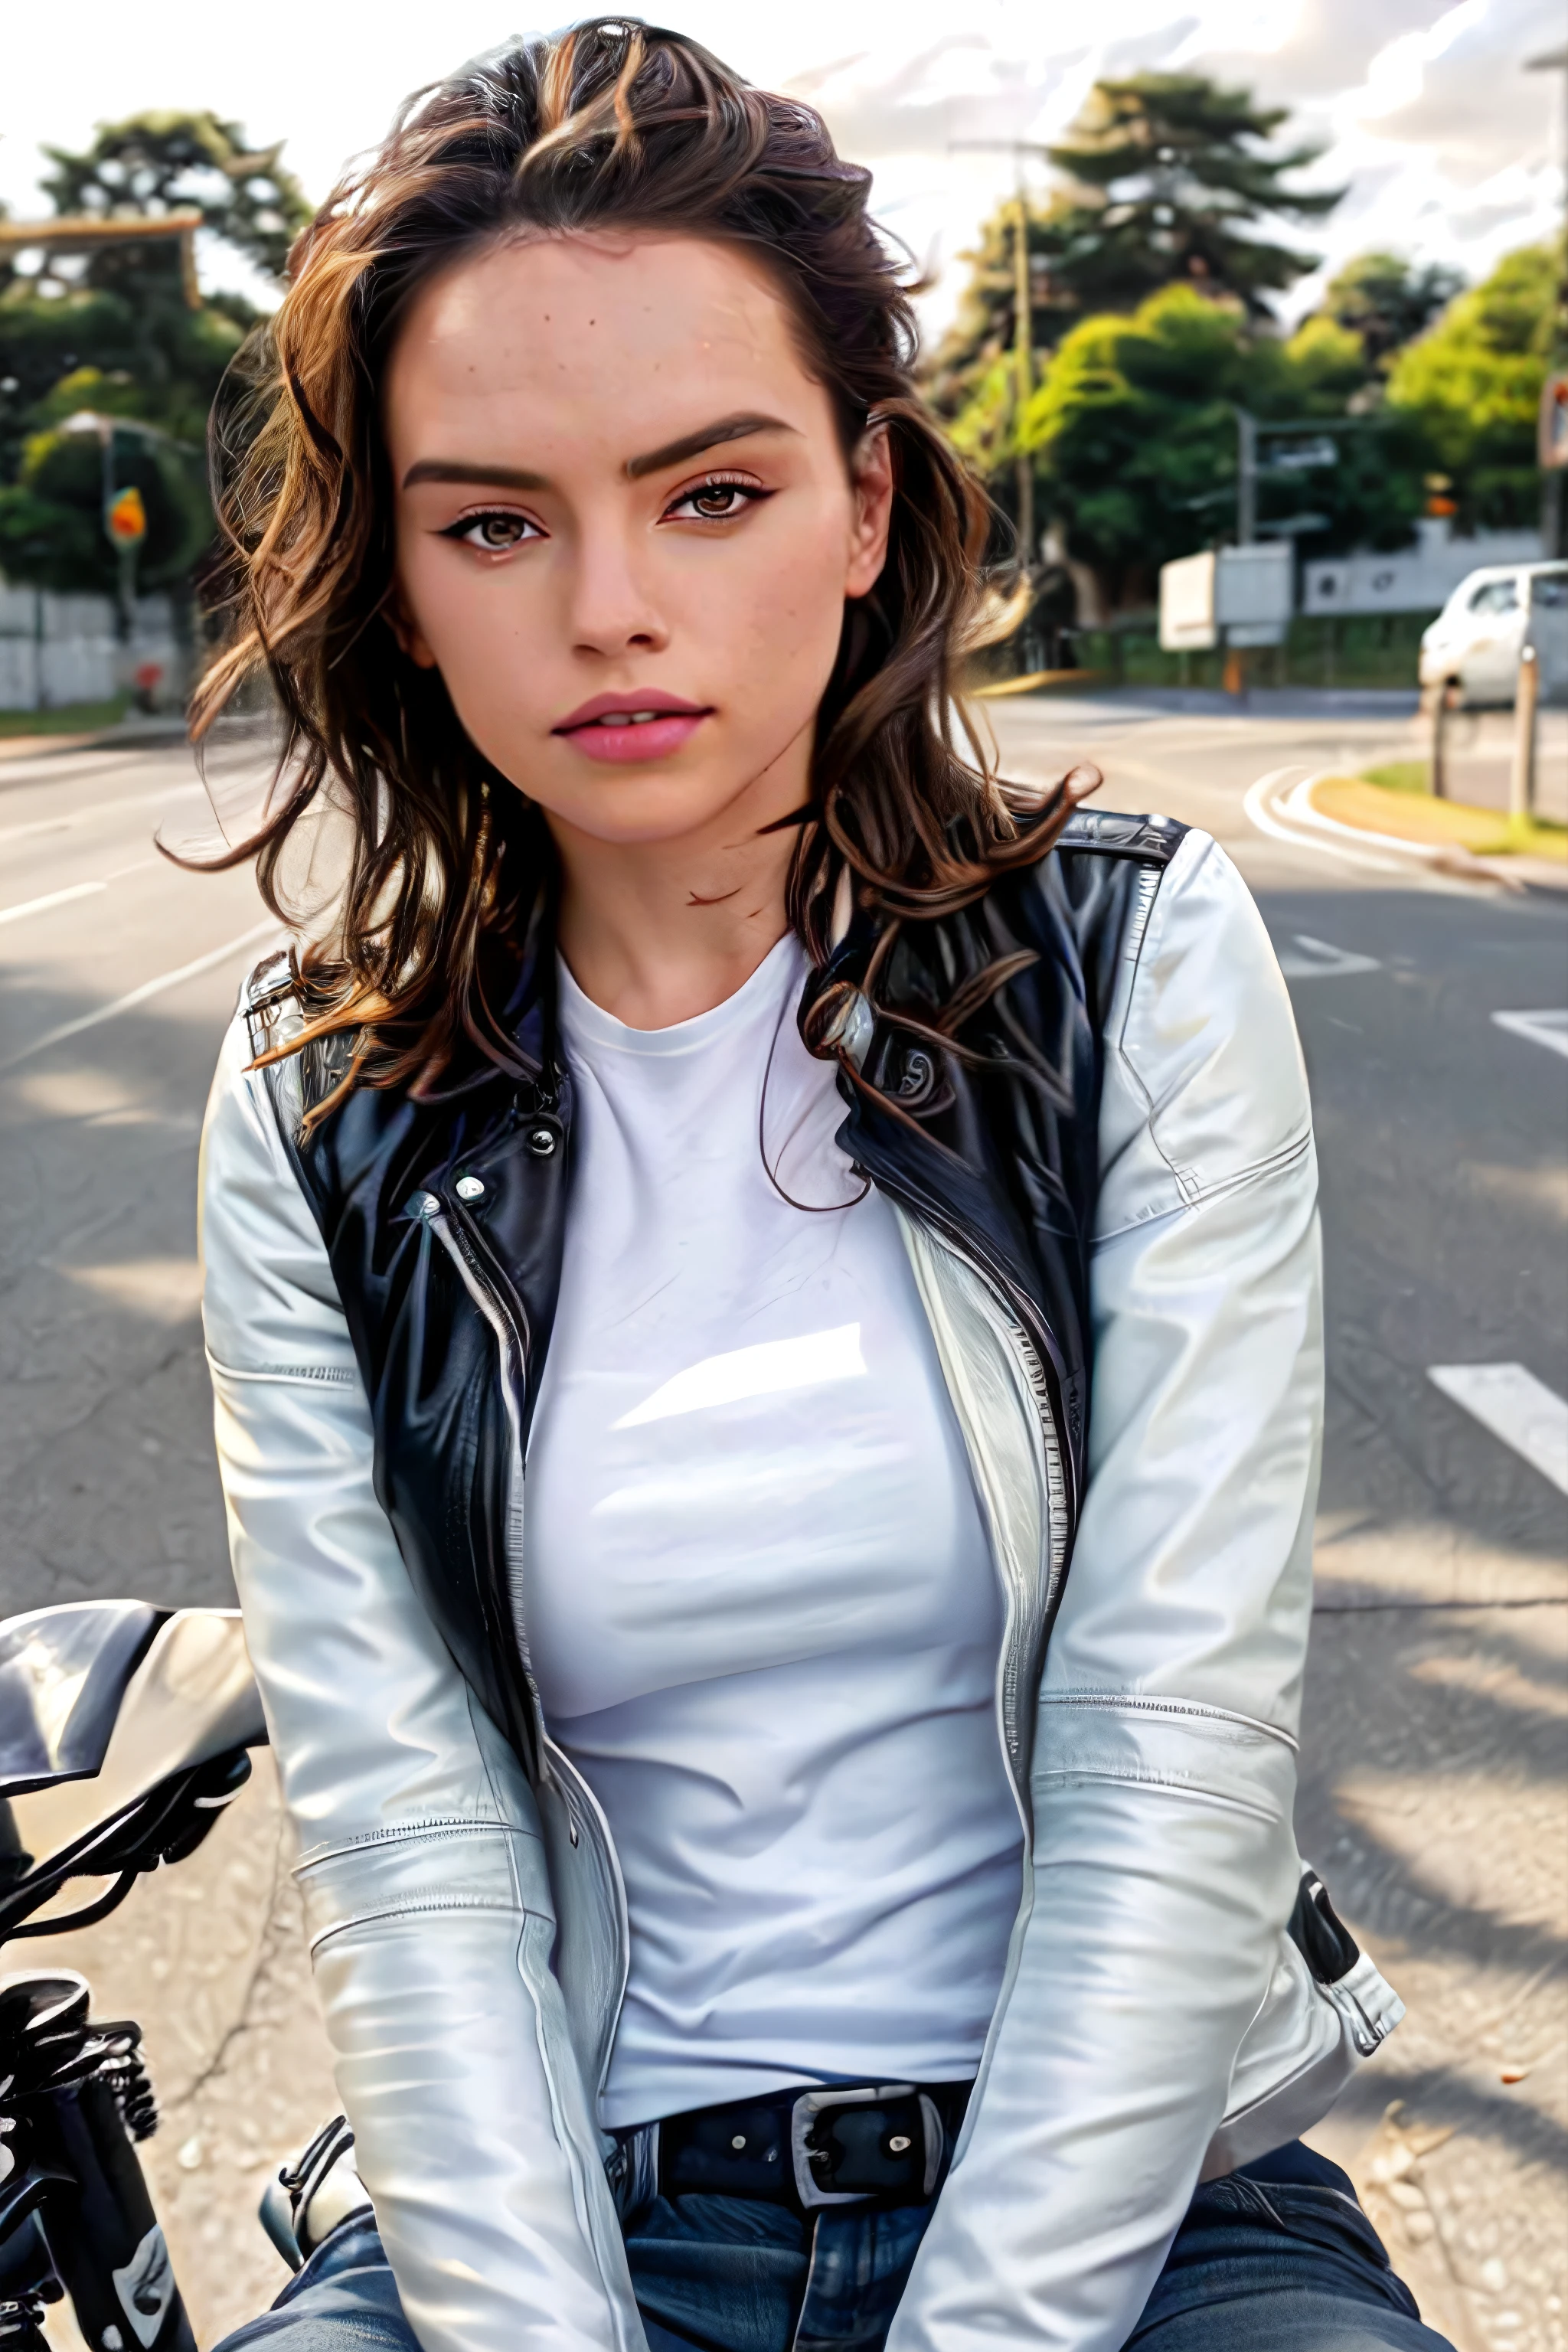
[(1450, 151)]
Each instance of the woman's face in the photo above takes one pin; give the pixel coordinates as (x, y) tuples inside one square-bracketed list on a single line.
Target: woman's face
[(626, 528)]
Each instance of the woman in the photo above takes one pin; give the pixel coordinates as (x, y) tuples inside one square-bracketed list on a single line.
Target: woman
[(764, 1309)]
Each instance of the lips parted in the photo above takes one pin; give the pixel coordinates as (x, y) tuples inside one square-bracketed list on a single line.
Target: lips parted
[(607, 729)]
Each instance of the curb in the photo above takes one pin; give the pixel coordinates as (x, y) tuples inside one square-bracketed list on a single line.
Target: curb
[(1509, 869), (1293, 818), (123, 736), (1036, 681), (1307, 702)]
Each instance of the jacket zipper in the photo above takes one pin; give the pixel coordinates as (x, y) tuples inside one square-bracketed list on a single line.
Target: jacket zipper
[(508, 1318), (1018, 1336), (582, 1807), (1034, 1354)]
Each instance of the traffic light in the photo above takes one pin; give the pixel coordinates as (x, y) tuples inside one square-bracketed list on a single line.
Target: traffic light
[(125, 518)]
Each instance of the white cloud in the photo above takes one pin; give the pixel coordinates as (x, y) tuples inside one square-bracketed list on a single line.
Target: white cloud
[(1425, 109), (1396, 75)]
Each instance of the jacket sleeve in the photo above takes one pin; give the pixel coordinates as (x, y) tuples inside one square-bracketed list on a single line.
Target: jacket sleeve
[(425, 1895), (1164, 1866)]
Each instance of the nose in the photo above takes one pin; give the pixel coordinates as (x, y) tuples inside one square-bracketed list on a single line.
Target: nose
[(611, 606)]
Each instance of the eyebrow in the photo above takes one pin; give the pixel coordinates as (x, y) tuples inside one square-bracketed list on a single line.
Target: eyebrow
[(707, 437), (451, 469), (674, 452)]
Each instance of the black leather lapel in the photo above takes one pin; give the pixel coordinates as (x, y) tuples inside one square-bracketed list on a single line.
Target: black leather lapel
[(426, 1349), (999, 1148)]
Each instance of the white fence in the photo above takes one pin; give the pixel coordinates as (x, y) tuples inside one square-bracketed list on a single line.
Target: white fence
[(55, 650), (1419, 579)]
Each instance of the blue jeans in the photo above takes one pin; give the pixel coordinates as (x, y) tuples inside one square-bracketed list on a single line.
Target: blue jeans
[(1276, 2258)]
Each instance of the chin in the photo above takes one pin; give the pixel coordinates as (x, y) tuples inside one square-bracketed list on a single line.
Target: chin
[(647, 804), (644, 809)]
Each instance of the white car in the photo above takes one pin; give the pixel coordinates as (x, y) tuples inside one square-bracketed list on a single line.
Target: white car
[(1477, 639)]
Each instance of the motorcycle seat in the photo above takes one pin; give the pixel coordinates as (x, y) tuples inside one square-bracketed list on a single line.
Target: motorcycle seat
[(102, 1701), (63, 1674)]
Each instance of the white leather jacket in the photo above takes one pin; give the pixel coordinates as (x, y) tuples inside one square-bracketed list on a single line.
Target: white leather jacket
[(1155, 2023)]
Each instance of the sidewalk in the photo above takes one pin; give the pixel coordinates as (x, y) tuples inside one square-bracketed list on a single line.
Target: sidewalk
[(135, 731), (1270, 701), (1430, 1799), (1480, 759)]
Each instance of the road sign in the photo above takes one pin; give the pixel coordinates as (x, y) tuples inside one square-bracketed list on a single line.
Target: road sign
[(1553, 431), (1235, 595), (125, 519), (1300, 456), (1186, 603)]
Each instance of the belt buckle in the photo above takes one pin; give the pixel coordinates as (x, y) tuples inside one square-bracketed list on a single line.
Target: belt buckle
[(802, 2121)]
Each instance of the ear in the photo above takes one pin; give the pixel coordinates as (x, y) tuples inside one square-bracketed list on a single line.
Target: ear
[(411, 638), (871, 484)]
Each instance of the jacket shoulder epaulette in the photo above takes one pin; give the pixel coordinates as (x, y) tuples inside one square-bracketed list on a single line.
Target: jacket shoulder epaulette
[(1153, 839), (272, 984)]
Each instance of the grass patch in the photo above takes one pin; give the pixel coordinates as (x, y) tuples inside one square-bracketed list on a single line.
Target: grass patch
[(71, 719), (1402, 776), (1380, 650), (1407, 814)]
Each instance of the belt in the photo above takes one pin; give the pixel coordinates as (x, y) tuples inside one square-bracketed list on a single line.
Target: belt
[(851, 2144)]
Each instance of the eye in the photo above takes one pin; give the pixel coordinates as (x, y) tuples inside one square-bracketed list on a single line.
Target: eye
[(495, 531), (715, 500)]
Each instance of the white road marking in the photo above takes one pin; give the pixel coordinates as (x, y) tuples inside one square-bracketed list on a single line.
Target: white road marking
[(1515, 1406), (97, 808), (1256, 804), (1313, 958), (1298, 809), (77, 890), (53, 899), (1548, 1029), (149, 988)]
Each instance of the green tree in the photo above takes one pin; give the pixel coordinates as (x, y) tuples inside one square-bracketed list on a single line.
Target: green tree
[(1171, 179), (113, 331), (1134, 431), (51, 517), (144, 338), (985, 324), (1385, 302), (1470, 388), (163, 162), (1176, 174)]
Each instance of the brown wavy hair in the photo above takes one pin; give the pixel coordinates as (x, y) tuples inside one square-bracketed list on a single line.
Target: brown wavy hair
[(613, 124)]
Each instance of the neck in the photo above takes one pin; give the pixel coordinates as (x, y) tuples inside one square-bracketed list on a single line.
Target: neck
[(656, 932)]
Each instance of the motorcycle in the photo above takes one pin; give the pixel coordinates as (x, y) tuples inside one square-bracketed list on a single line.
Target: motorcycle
[(125, 1730)]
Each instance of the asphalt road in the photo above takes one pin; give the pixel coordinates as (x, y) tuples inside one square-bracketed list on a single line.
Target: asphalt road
[(1434, 1747)]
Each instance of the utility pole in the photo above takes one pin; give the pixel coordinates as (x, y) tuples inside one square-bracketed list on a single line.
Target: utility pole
[(125, 602), (1023, 323), (1552, 534), (1245, 477), (1521, 777)]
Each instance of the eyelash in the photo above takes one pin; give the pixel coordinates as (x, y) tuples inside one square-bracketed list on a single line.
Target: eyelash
[(475, 521), (750, 493)]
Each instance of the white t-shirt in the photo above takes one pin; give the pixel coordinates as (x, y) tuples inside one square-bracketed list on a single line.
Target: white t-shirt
[(762, 1610)]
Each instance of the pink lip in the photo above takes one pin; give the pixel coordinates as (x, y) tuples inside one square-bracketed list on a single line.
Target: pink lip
[(652, 738)]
